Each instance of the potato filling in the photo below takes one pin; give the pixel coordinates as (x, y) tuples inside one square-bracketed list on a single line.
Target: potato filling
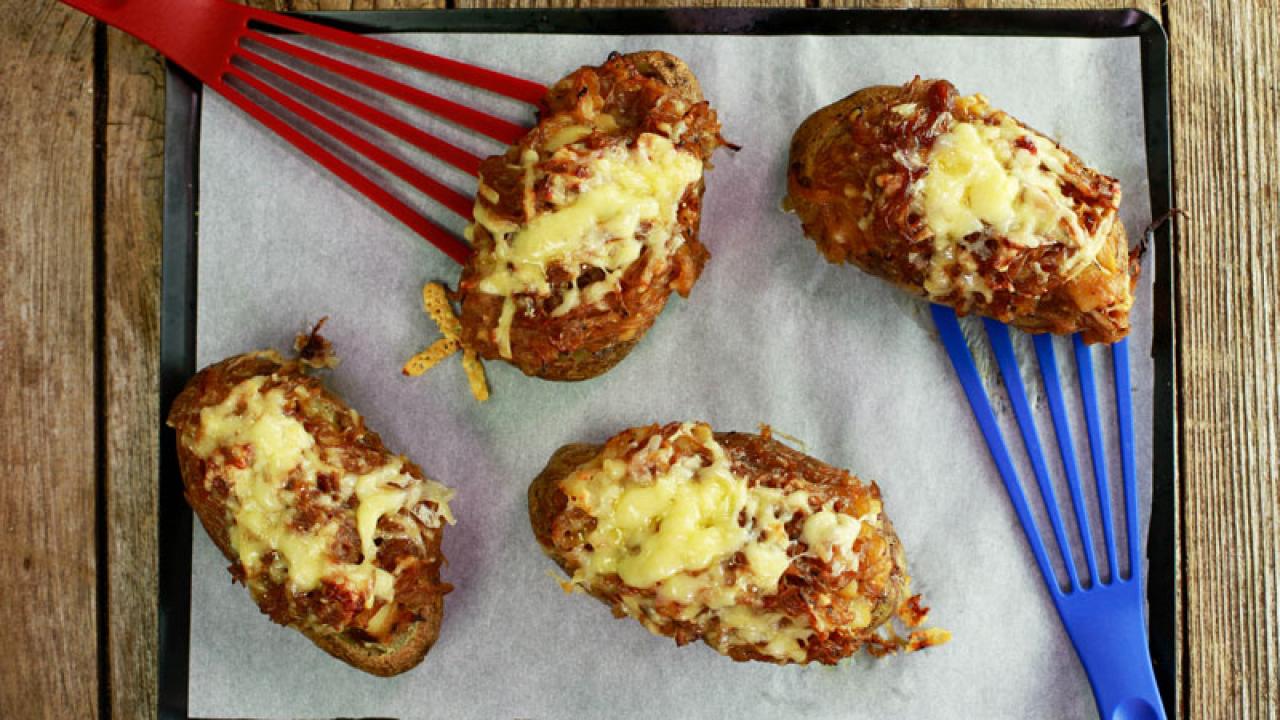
[(624, 202), (673, 517), (995, 177), (269, 459)]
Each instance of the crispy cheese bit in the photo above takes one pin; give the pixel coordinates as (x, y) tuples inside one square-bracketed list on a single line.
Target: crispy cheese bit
[(566, 585), (766, 431), (912, 613), (475, 375), (435, 300), (929, 637), (314, 350), (429, 358)]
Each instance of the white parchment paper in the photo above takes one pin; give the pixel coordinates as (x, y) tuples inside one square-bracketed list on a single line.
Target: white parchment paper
[(772, 333)]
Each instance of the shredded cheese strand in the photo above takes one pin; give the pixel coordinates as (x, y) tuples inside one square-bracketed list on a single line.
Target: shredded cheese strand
[(429, 358), (435, 301)]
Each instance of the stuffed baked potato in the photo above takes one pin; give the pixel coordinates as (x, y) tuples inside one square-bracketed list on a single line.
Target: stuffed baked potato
[(760, 551), (331, 533), (584, 228), (962, 204)]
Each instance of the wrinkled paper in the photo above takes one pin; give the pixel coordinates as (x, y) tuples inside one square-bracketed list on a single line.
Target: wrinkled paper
[(772, 333)]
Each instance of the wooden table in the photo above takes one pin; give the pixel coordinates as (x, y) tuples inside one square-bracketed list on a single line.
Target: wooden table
[(81, 142)]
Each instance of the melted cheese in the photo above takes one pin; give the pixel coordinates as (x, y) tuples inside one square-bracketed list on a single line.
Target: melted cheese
[(566, 136), (780, 637), (285, 459), (379, 495), (826, 532), (628, 189), (674, 531), (978, 179)]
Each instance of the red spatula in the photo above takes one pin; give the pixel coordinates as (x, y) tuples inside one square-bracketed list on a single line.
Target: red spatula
[(208, 39)]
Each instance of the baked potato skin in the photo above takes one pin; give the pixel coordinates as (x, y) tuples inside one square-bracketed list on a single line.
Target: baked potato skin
[(842, 169), (763, 461), (329, 420), (590, 340)]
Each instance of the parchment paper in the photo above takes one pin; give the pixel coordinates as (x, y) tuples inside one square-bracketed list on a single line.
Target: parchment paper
[(772, 333)]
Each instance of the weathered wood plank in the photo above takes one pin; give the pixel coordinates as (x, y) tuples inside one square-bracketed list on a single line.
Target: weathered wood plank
[(305, 5), (131, 283), (1225, 99), (1149, 6), (623, 3), (49, 663)]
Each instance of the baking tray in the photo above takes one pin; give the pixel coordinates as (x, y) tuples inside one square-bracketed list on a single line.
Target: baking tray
[(181, 245)]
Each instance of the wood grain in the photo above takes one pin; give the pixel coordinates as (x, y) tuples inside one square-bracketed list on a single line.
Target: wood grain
[(1225, 101), (131, 233), (1151, 7), (48, 636), (623, 3), (308, 5), (1225, 65)]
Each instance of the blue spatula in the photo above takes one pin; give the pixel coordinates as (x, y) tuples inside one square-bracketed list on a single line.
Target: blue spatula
[(1105, 620)]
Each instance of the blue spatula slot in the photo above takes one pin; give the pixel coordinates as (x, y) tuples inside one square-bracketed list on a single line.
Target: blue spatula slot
[(1097, 450)]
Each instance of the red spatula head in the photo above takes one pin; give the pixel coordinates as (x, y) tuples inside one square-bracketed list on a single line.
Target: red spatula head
[(198, 35), (204, 37)]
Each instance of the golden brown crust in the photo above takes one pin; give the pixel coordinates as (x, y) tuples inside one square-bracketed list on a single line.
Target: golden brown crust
[(640, 90), (847, 183), (670, 70), (546, 500), (208, 497), (883, 577), (404, 652)]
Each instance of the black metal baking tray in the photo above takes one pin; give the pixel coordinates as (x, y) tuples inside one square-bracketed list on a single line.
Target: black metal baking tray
[(181, 245)]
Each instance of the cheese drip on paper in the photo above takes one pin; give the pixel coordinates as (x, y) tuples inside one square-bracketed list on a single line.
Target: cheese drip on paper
[(675, 531), (285, 461), (997, 178), (627, 204)]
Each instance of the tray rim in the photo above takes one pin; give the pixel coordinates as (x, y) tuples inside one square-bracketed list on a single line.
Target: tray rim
[(180, 250)]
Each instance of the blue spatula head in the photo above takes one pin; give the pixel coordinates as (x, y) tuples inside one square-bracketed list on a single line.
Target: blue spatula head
[(1104, 616)]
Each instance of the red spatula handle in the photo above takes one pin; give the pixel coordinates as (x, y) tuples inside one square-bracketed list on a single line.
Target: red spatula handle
[(199, 35)]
